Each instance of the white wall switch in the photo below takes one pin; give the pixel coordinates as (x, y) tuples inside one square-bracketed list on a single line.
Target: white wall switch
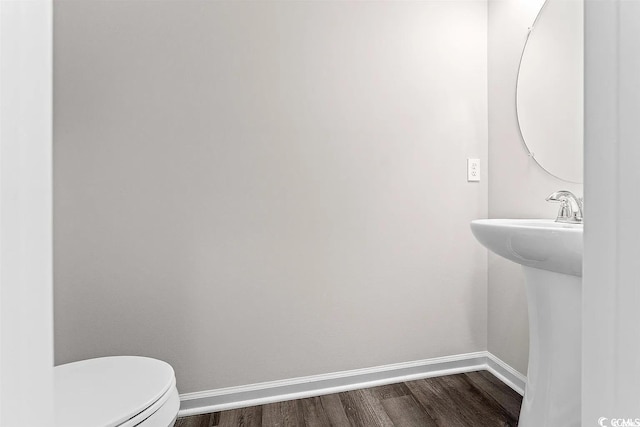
[(473, 170)]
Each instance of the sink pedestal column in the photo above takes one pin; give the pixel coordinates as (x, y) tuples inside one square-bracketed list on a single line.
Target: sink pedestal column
[(552, 394)]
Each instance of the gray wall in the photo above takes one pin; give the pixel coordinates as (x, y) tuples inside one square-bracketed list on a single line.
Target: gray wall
[(517, 185), (255, 191)]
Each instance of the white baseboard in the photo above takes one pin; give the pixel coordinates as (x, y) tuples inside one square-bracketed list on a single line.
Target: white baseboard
[(316, 385), (506, 373)]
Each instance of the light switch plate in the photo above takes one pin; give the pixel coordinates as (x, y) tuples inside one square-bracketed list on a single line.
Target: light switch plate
[(473, 170)]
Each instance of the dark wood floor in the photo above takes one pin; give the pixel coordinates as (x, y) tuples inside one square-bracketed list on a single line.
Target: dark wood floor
[(475, 399)]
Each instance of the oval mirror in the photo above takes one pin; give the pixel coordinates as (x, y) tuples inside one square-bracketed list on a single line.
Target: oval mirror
[(549, 89)]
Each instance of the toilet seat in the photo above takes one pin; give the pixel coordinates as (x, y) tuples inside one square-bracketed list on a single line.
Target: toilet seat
[(172, 393), (121, 391)]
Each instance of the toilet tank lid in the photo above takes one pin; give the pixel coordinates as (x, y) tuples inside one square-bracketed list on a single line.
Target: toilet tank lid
[(108, 391)]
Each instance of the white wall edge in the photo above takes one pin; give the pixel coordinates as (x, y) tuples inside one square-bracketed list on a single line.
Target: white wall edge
[(317, 385), (26, 266)]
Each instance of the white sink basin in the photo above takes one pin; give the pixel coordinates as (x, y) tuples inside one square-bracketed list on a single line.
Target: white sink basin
[(551, 257), (538, 243)]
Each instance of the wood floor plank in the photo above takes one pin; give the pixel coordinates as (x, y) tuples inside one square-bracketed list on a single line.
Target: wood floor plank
[(363, 410), (245, 417), (404, 411), (334, 410), (282, 414), (205, 420), (376, 404), (436, 403), (507, 398), (474, 405), (390, 390), (314, 413)]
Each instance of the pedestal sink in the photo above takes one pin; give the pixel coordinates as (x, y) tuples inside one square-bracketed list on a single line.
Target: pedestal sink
[(551, 256)]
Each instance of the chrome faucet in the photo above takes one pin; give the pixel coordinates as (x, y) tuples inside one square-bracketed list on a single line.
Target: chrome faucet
[(571, 207)]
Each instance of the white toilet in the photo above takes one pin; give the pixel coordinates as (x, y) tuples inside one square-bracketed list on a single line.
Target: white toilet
[(121, 391)]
